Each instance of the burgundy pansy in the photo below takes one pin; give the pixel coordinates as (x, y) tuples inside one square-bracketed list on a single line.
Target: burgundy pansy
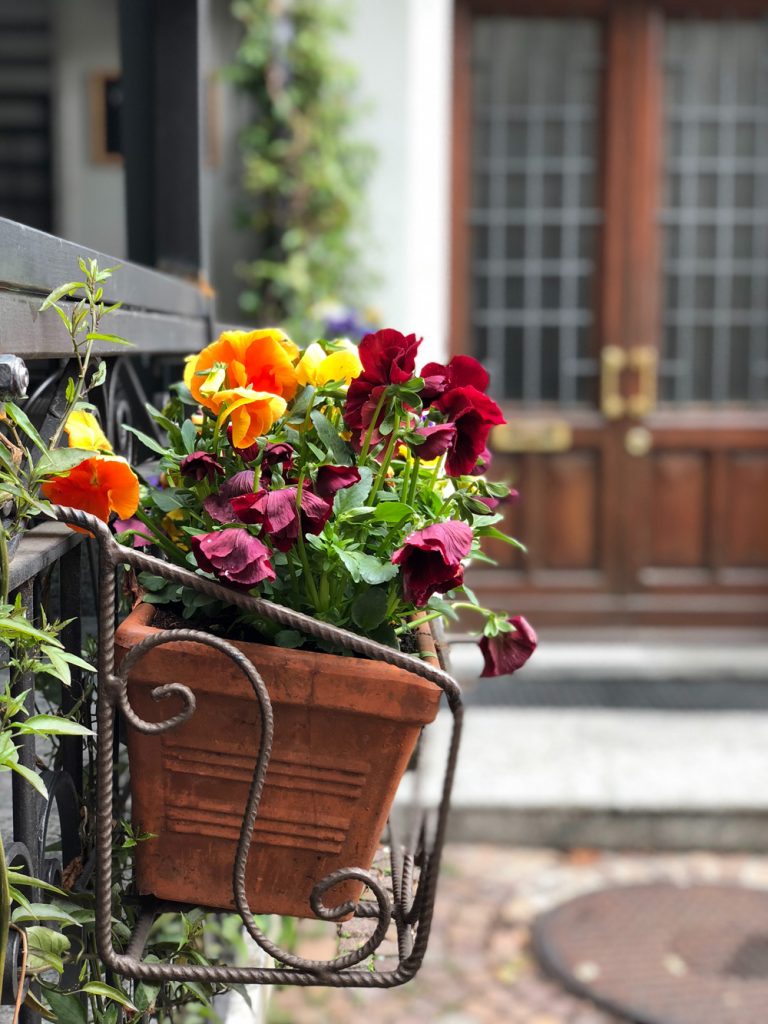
[(388, 357), (330, 479), (217, 505), (430, 560), (460, 372), (473, 414), (276, 513), (200, 466), (234, 556), (438, 438), (505, 653), (140, 539), (276, 454)]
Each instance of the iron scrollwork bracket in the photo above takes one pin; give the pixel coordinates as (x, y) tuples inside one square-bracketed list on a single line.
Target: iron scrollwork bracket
[(411, 912)]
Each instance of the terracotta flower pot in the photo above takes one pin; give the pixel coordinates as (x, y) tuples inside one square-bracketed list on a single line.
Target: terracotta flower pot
[(345, 729)]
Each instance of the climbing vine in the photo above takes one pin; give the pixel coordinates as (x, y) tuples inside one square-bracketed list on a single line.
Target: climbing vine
[(304, 169)]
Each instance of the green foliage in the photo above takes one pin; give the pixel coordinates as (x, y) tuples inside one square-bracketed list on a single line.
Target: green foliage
[(304, 171)]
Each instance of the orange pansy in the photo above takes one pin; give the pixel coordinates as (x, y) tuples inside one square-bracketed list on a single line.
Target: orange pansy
[(259, 360), (251, 413), (99, 485)]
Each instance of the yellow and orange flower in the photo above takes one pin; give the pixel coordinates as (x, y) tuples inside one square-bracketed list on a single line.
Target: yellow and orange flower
[(317, 368), (99, 485), (83, 431), (261, 361), (250, 412)]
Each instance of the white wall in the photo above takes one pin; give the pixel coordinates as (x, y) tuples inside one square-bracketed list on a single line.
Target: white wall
[(89, 198), (402, 49)]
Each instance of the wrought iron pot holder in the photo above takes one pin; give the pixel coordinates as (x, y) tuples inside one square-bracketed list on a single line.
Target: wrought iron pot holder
[(411, 912)]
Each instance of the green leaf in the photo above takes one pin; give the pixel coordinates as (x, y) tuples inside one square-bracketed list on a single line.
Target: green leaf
[(19, 878), (43, 912), (113, 339), (24, 423), (100, 988), (57, 666), (60, 460), (288, 638), (5, 905), (189, 435), (392, 511), (59, 293), (66, 1006), (386, 635), (329, 435), (69, 394), (498, 535), (46, 948), (13, 627), (303, 402), (99, 376), (169, 499), (369, 609), (352, 497), (52, 725), (366, 568), (146, 440), (32, 778)]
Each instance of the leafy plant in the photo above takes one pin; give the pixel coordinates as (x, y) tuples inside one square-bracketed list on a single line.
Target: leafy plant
[(304, 171)]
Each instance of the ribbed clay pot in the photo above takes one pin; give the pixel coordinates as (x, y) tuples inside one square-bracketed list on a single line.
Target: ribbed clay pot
[(344, 731)]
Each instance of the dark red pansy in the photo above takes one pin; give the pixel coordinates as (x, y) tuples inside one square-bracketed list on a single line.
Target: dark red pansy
[(276, 513), (473, 414), (248, 454), (200, 466), (276, 454), (462, 371), (430, 560), (388, 357), (330, 479), (437, 440), (507, 652), (234, 556), (217, 505)]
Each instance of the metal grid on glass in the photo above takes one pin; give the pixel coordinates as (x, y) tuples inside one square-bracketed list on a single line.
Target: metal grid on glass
[(715, 217), (534, 211)]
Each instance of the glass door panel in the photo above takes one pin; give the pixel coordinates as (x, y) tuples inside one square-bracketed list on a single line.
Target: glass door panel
[(535, 211), (715, 217)]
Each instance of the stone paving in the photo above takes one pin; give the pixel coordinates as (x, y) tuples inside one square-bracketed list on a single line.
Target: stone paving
[(479, 969)]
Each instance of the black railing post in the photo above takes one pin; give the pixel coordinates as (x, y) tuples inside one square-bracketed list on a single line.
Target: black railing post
[(70, 584), (25, 799)]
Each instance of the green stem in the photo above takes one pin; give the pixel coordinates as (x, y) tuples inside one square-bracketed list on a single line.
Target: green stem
[(369, 433), (472, 607), (406, 479), (312, 593), (438, 470), (163, 542), (386, 461), (5, 569), (414, 482), (415, 623)]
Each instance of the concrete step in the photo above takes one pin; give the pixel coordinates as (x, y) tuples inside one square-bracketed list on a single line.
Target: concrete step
[(610, 778)]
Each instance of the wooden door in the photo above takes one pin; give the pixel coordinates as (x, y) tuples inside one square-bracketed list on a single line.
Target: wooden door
[(609, 267)]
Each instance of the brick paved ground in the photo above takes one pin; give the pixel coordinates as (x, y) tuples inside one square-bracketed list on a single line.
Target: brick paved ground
[(479, 969)]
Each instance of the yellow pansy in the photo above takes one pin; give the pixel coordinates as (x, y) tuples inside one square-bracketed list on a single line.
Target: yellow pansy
[(317, 368), (250, 412), (83, 431)]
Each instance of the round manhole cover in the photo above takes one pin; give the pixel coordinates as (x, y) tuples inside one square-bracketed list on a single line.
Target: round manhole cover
[(663, 954)]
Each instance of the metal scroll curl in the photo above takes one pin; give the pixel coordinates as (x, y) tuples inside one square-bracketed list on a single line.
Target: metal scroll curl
[(413, 918)]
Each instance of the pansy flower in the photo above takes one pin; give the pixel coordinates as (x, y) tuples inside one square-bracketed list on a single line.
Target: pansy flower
[(459, 372), (430, 560), (99, 485), (84, 431), (218, 505), (200, 466), (331, 479), (438, 438), (233, 555), (317, 368), (261, 361), (387, 357), (473, 414), (277, 514), (506, 652), (251, 413)]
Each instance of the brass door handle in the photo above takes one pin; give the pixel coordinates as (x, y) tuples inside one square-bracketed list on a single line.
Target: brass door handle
[(643, 359), (613, 360)]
